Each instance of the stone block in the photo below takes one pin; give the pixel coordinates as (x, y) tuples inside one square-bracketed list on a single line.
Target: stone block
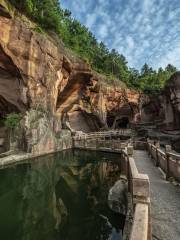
[(168, 148), (130, 150), (141, 186)]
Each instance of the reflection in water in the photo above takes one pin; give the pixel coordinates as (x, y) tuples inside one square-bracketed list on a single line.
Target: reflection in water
[(61, 196)]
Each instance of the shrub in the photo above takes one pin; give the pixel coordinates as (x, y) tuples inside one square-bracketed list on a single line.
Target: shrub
[(38, 29), (12, 120)]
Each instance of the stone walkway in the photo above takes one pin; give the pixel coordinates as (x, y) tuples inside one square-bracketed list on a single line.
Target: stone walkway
[(165, 200)]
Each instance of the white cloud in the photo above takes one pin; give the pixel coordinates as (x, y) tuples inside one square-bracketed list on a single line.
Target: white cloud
[(91, 20), (102, 31), (171, 56), (130, 42), (142, 30)]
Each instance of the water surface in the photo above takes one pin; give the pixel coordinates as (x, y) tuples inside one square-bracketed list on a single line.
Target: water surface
[(61, 196)]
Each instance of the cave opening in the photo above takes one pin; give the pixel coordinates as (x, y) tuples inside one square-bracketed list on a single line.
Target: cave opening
[(123, 123), (118, 122), (110, 121), (122, 117)]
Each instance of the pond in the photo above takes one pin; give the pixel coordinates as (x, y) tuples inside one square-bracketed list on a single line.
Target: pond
[(63, 196)]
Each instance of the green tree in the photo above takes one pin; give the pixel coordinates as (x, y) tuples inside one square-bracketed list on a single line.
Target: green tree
[(49, 15), (170, 68)]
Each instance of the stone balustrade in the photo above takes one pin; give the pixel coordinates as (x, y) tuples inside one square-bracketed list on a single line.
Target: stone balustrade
[(139, 187), (168, 161), (111, 145), (138, 184), (104, 134)]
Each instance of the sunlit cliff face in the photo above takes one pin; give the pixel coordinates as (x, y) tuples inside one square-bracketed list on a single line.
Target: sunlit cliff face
[(175, 98), (173, 86), (172, 93)]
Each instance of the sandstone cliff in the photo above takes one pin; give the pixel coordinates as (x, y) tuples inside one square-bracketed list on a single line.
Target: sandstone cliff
[(53, 89), (165, 106)]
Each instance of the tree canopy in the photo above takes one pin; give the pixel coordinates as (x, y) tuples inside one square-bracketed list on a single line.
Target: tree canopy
[(50, 16)]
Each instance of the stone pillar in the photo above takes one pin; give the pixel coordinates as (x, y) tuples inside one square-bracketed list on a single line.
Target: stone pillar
[(168, 149), (151, 151), (104, 144), (157, 157), (119, 143), (130, 154), (97, 143), (149, 146), (113, 144), (84, 143), (130, 150)]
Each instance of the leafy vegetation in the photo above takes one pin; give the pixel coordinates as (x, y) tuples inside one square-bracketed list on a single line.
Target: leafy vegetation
[(51, 17), (150, 80), (12, 120)]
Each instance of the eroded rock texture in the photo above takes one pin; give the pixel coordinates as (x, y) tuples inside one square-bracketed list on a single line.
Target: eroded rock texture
[(38, 76), (164, 108)]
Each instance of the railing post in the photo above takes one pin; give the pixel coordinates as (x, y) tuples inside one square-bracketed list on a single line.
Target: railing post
[(84, 143), (119, 144), (113, 144), (130, 151), (129, 154), (96, 143), (167, 149), (148, 144), (151, 146), (157, 156)]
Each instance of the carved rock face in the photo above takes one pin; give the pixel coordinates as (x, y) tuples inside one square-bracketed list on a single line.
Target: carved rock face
[(37, 74), (173, 90), (165, 107), (172, 93)]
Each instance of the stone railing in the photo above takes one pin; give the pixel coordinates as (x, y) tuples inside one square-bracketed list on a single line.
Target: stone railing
[(104, 134), (113, 145), (168, 161), (138, 185)]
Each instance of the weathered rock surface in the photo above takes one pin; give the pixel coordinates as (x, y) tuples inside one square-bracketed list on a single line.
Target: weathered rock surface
[(36, 74), (39, 76), (164, 108), (160, 114)]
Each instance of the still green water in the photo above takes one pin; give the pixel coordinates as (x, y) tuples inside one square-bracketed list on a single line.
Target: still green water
[(60, 197)]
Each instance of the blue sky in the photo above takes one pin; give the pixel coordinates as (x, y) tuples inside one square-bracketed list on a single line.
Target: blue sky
[(142, 30)]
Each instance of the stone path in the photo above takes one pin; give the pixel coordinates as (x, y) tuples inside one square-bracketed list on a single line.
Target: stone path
[(165, 200)]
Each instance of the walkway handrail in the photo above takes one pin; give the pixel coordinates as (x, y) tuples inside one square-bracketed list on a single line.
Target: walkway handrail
[(114, 145), (168, 161), (139, 230), (139, 187), (175, 155), (138, 184), (160, 151), (110, 133)]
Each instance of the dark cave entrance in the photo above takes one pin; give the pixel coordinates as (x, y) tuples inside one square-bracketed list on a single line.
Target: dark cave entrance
[(118, 122), (122, 117), (110, 121), (122, 123)]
